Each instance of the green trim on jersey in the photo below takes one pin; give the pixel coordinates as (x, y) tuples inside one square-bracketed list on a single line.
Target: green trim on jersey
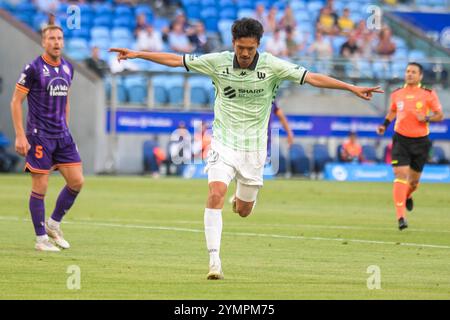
[(244, 97)]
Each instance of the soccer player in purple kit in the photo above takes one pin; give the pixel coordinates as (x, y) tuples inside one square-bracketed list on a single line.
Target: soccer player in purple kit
[(47, 143)]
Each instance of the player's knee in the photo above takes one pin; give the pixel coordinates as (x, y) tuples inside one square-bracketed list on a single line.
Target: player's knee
[(215, 198), (244, 211), (76, 184), (414, 184)]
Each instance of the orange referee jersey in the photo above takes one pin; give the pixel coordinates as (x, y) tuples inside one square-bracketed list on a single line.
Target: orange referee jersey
[(406, 103)]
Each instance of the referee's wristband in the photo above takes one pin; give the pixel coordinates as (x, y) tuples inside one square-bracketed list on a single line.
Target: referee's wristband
[(386, 123)]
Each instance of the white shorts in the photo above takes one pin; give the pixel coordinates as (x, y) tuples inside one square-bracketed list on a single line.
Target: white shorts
[(224, 164)]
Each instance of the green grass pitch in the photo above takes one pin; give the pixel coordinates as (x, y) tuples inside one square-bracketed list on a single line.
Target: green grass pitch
[(138, 238)]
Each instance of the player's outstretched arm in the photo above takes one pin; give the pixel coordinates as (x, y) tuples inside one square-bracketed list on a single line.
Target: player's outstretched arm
[(21, 144), (167, 59), (323, 81)]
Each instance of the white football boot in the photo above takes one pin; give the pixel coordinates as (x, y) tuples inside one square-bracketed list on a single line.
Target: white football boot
[(45, 245), (57, 235), (215, 272)]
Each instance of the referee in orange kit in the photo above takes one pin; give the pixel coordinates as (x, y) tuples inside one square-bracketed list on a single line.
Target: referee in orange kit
[(415, 107)]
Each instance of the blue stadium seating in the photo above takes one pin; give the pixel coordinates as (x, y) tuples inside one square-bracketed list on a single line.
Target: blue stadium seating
[(370, 153), (174, 87), (199, 92), (438, 155), (136, 86), (320, 157), (160, 94), (299, 162)]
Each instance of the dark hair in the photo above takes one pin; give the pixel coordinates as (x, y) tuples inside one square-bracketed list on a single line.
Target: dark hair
[(247, 28), (418, 65)]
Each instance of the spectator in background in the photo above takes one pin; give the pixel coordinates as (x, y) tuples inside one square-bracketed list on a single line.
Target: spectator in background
[(148, 39), (350, 48), (321, 48), (345, 23), (292, 46), (141, 24), (288, 19), (260, 14), (271, 21), (326, 22), (330, 5), (351, 150), (276, 45), (366, 44), (178, 39), (96, 64), (199, 39), (386, 46)]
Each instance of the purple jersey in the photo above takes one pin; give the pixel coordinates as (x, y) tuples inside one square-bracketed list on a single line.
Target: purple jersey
[(47, 85)]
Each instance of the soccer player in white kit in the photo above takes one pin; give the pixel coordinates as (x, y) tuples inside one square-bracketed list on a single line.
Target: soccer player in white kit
[(246, 83)]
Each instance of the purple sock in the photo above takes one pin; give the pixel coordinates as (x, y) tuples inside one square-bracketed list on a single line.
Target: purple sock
[(65, 201), (37, 209)]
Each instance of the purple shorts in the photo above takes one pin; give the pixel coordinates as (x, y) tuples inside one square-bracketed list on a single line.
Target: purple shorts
[(48, 154)]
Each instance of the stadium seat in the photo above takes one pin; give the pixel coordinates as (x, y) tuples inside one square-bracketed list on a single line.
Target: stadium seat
[(211, 24), (160, 94), (228, 13), (298, 6), (245, 13), (199, 93), (208, 3), (143, 9), (160, 22), (38, 20), (193, 12), (314, 7), (103, 8), (81, 33), (320, 157), (124, 22), (226, 4), (438, 155), (416, 55), (136, 86), (78, 49), (246, 4), (103, 21), (174, 87), (369, 153), (299, 162), (121, 33), (100, 33)]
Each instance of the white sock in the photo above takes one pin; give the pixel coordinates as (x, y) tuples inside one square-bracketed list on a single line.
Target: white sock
[(41, 238), (53, 224), (213, 233)]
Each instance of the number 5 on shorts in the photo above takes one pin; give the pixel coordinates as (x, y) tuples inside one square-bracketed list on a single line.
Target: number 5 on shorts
[(39, 152)]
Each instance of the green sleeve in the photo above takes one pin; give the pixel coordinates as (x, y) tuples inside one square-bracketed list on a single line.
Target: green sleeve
[(286, 70), (204, 64)]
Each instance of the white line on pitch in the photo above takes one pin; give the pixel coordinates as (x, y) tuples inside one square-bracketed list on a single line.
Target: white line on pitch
[(245, 234)]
